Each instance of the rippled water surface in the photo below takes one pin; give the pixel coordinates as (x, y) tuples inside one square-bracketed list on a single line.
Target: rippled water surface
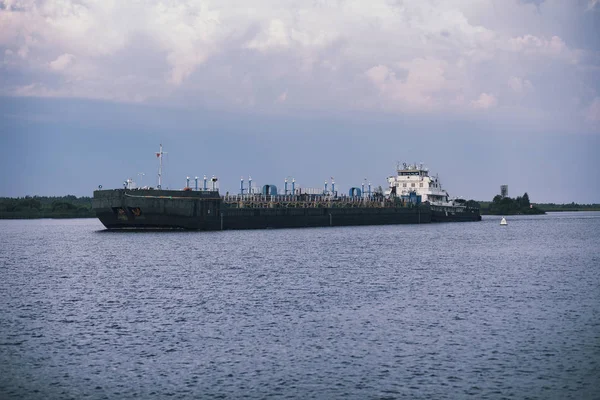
[(444, 311)]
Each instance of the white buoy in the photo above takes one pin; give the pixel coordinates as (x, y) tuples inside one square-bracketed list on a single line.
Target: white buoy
[(503, 221)]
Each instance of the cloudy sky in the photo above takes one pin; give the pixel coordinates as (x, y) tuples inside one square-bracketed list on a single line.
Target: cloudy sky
[(485, 92)]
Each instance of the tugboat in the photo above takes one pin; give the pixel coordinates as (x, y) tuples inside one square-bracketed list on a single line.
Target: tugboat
[(413, 182)]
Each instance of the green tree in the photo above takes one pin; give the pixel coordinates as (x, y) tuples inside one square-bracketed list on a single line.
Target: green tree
[(63, 206), (525, 201)]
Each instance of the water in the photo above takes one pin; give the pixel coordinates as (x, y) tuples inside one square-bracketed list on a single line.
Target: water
[(444, 311)]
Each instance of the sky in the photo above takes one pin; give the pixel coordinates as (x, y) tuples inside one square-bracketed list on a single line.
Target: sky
[(483, 92)]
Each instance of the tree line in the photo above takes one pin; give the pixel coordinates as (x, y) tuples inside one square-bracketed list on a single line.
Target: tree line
[(569, 207), (46, 207), (509, 206)]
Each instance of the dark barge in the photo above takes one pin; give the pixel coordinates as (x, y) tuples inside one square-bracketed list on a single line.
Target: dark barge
[(207, 210)]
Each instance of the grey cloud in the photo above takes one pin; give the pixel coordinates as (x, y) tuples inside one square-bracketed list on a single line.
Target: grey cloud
[(405, 57)]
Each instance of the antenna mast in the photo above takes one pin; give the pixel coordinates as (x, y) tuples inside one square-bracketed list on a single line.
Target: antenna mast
[(159, 155)]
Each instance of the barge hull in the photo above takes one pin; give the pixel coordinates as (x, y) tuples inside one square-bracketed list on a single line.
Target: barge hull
[(440, 216), (285, 218), (163, 209)]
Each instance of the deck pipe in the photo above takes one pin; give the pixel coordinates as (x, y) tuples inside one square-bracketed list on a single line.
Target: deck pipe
[(325, 191), (196, 186), (293, 186), (187, 182), (332, 186), (205, 182), (249, 184), (285, 187), (242, 186)]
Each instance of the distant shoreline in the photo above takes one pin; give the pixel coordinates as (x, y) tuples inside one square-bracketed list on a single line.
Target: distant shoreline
[(483, 212), (3, 216), (497, 207), (22, 215), (65, 207), (40, 207), (577, 209)]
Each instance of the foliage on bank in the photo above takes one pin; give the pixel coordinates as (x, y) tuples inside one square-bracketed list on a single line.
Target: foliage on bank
[(509, 206), (568, 207), (46, 207)]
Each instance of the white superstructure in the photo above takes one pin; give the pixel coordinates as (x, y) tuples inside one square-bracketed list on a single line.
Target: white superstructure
[(415, 178)]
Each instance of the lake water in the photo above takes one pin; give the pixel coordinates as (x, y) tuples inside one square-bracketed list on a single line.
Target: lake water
[(442, 311)]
